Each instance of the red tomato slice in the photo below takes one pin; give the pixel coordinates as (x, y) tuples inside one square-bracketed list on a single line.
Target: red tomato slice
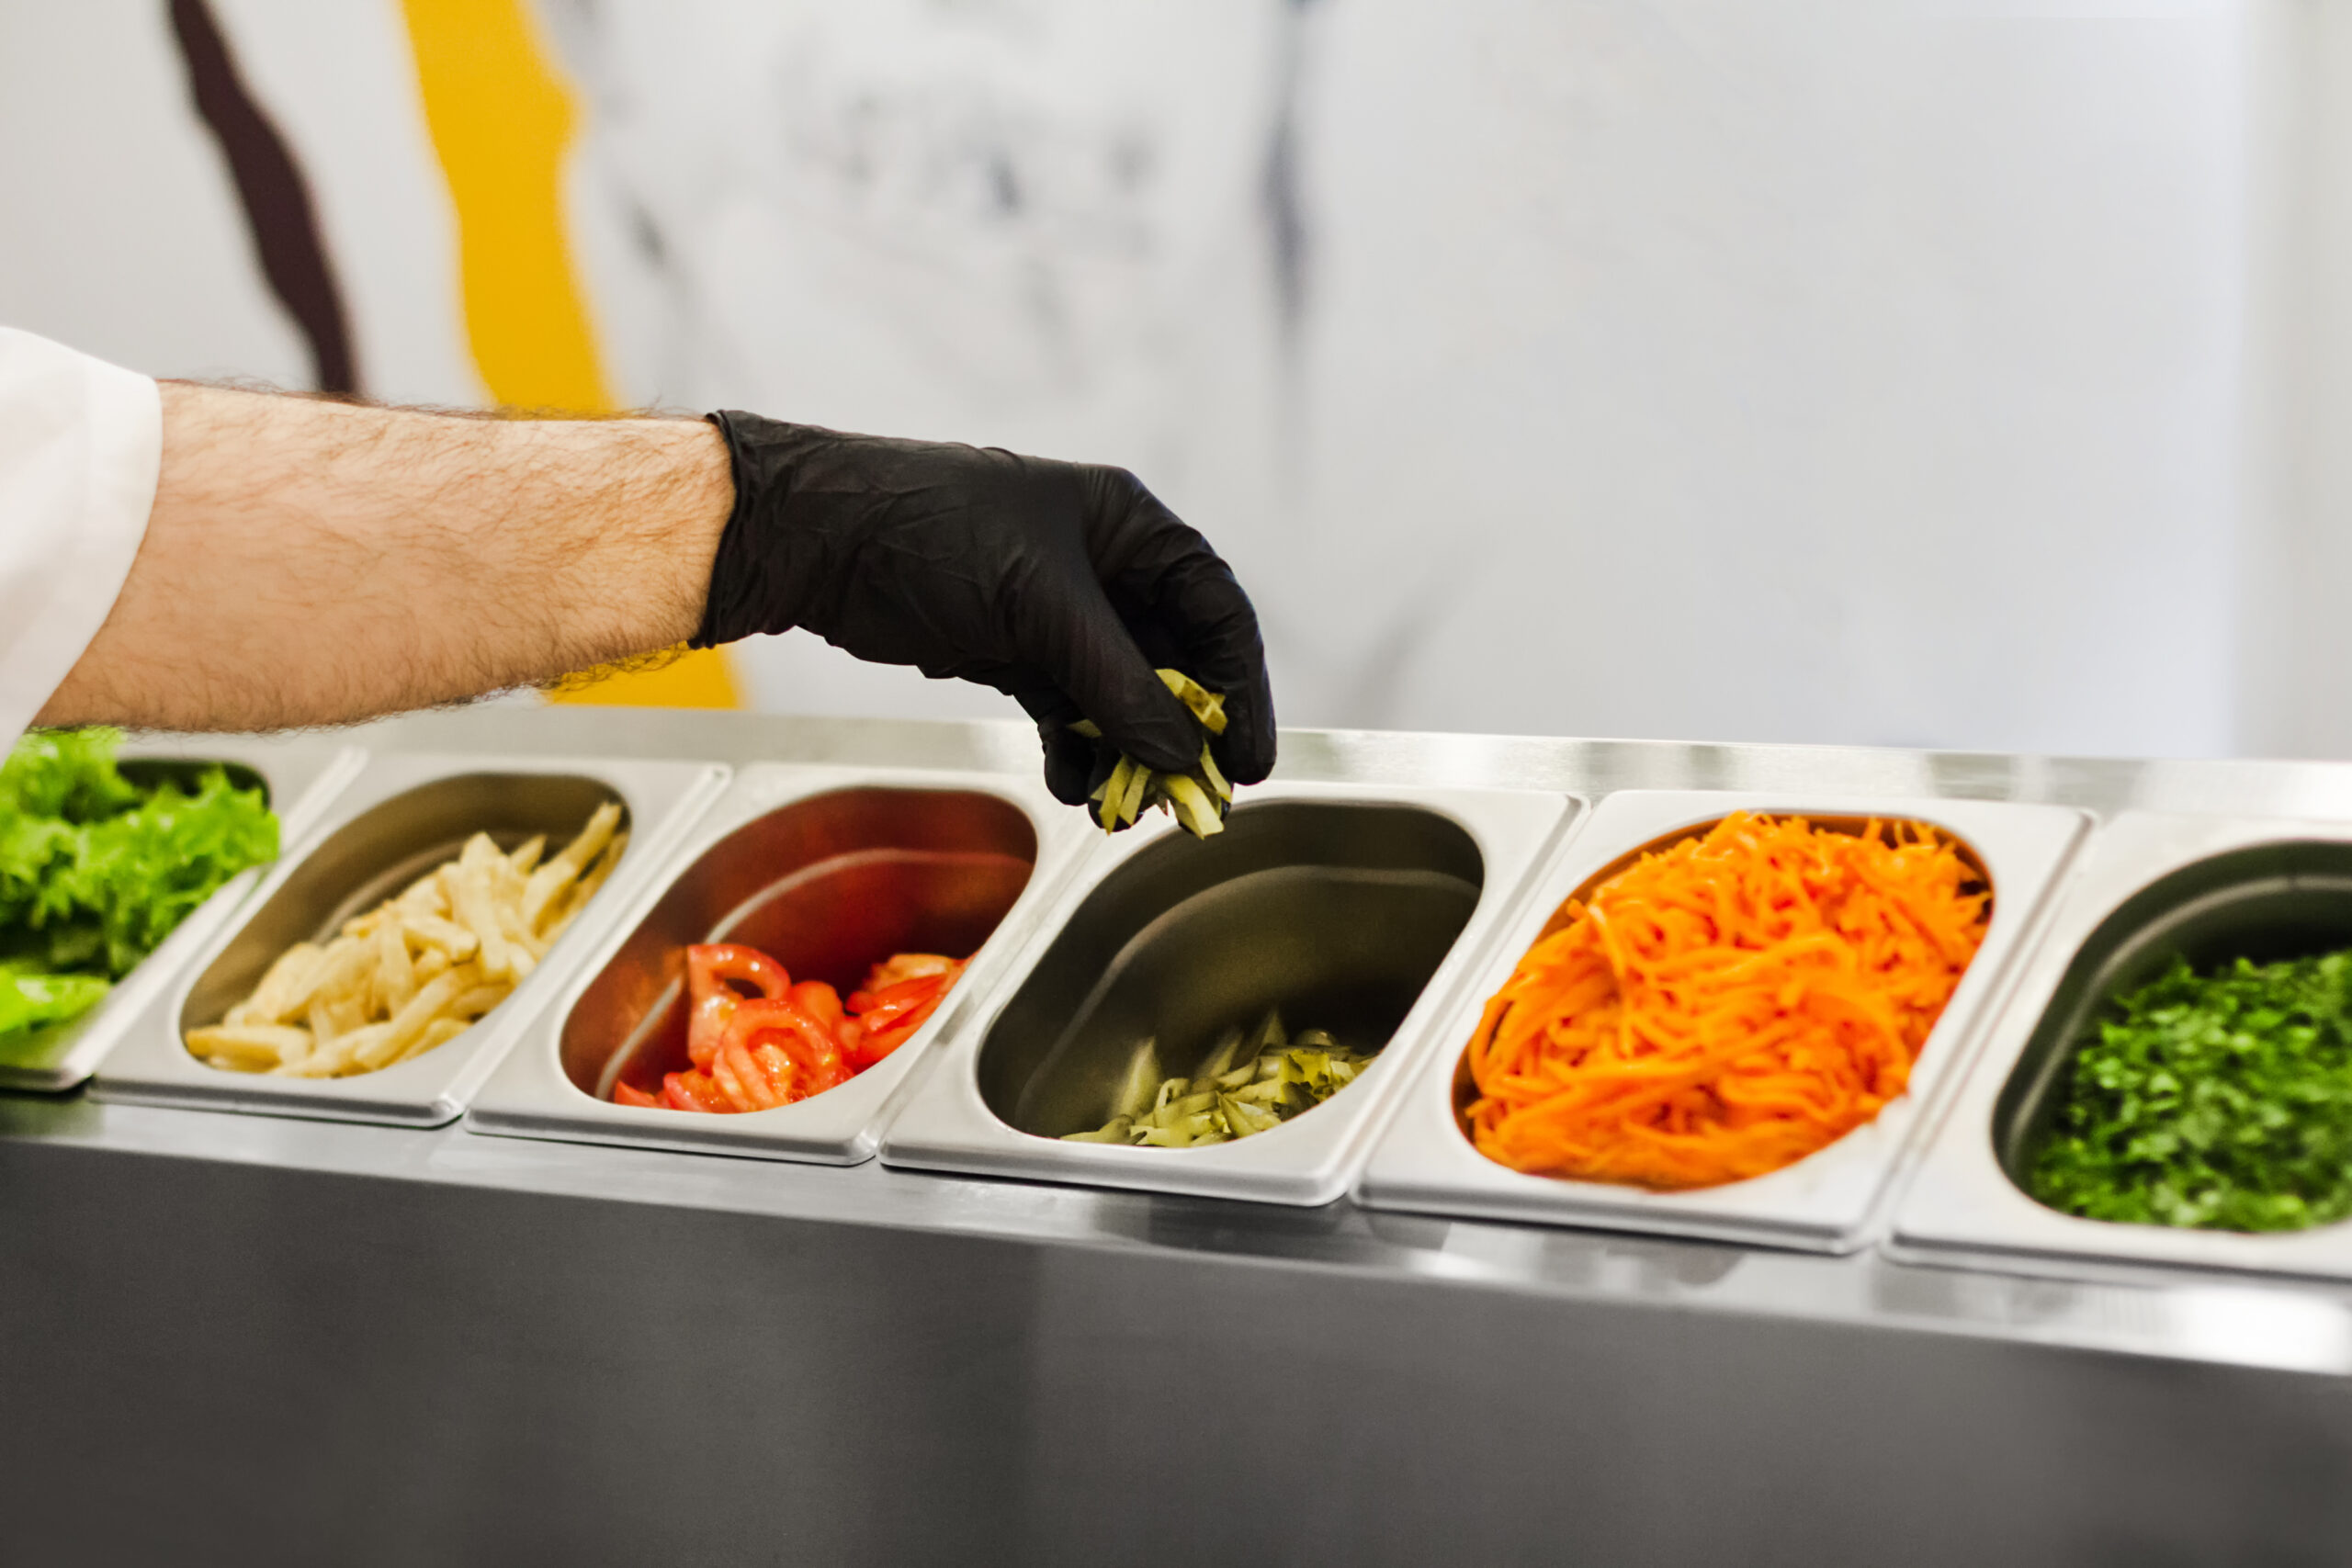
[(818, 1000), (908, 967), (707, 1025), (722, 1072), (782, 1077), (748, 1072), (710, 963), (710, 966), (882, 1042), (629, 1094), (817, 1051), (816, 1054), (691, 1091), (892, 1002)]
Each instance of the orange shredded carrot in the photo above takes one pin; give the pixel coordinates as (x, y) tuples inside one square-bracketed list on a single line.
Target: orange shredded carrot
[(1727, 1006)]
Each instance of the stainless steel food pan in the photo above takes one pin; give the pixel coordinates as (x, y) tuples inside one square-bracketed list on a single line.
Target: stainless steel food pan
[(1827, 1201), (1353, 910), (2208, 888), (828, 870), (403, 815), (300, 776)]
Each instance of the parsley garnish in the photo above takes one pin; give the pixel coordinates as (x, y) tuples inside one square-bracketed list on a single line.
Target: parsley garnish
[(2220, 1101)]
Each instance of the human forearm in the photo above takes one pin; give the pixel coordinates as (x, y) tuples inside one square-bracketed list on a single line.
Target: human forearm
[(311, 563)]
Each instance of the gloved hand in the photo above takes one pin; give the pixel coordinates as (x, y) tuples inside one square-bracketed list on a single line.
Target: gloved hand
[(1060, 584)]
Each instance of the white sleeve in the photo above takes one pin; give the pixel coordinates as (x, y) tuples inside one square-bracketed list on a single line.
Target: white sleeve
[(79, 442)]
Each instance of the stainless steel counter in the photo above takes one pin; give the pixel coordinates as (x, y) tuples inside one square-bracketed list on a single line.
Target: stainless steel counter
[(307, 1341)]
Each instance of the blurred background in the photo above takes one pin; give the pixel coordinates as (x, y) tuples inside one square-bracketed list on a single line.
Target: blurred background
[(1970, 374)]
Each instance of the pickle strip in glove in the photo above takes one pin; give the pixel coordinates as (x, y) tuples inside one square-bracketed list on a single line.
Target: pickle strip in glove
[(1198, 800)]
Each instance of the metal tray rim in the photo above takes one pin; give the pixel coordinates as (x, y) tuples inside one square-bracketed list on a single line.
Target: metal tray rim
[(1959, 1208), (946, 1126), (153, 1067), (105, 1026), (1833, 1199), (530, 1097)]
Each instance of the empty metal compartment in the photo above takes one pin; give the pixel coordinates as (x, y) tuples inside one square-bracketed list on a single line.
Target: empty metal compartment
[(2265, 902), (828, 886), (1338, 915)]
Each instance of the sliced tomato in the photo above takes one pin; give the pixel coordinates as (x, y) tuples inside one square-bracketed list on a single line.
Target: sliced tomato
[(709, 963), (781, 1076), (817, 1058), (818, 1000), (885, 1040), (908, 967), (722, 1071), (707, 1025), (892, 1002), (692, 1092), (889, 1015), (817, 1051), (783, 1042), (710, 968), (748, 1072)]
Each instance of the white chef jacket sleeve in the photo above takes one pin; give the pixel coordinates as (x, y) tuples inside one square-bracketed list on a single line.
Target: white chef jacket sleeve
[(80, 443)]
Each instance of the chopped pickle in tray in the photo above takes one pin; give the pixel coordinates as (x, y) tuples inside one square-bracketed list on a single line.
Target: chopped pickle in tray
[(1252, 1082)]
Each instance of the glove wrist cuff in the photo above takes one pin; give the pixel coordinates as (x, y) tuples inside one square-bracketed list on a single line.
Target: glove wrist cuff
[(757, 584)]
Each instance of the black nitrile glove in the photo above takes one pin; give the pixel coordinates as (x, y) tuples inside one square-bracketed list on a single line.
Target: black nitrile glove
[(1060, 584)]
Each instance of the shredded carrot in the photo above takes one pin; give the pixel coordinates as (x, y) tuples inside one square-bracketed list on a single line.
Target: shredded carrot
[(1727, 1006)]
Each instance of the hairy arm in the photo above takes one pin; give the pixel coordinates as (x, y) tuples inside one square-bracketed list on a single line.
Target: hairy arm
[(313, 562)]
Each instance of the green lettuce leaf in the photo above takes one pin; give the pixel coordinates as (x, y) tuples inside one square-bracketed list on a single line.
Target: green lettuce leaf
[(35, 1007), (95, 872)]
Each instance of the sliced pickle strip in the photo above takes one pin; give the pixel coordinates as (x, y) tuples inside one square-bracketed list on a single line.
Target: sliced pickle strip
[(1198, 800), (1252, 1081)]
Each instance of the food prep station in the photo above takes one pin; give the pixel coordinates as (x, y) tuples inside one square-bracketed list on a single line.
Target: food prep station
[(470, 1309)]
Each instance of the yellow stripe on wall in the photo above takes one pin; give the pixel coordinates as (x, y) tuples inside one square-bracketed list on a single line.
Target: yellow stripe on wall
[(501, 121)]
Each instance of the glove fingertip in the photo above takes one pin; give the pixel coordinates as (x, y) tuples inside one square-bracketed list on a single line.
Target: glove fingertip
[(1164, 749), (1248, 746), (1069, 764)]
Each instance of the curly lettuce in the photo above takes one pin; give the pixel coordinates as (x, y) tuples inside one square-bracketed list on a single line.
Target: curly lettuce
[(96, 870)]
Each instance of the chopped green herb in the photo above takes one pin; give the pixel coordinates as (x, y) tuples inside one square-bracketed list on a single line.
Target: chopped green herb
[(2220, 1101)]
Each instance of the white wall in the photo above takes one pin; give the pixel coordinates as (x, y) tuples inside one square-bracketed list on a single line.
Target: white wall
[(1962, 374), (2295, 685), (121, 234), (1820, 371), (1808, 372)]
